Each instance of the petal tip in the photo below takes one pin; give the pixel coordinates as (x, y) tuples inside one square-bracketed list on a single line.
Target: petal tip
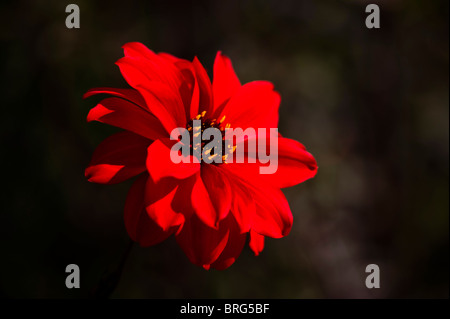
[(206, 267)]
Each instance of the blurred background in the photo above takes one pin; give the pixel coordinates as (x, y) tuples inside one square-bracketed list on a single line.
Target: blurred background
[(371, 105)]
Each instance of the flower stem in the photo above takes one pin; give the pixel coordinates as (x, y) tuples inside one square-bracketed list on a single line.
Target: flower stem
[(110, 279)]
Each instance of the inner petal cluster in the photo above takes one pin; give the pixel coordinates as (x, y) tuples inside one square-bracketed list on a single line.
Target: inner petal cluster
[(197, 145)]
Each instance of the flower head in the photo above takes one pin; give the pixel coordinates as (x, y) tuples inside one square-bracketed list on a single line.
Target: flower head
[(210, 207)]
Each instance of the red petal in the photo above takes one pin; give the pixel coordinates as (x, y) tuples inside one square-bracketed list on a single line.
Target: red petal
[(139, 226), (152, 66), (233, 249), (187, 85), (202, 205), (295, 165), (182, 200), (202, 244), (137, 71), (160, 165), (121, 113), (162, 99), (256, 242), (195, 100), (165, 105), (169, 57), (141, 65), (225, 82), (254, 104), (118, 158), (131, 95), (218, 188), (158, 203), (243, 205), (204, 86), (273, 216), (211, 195)]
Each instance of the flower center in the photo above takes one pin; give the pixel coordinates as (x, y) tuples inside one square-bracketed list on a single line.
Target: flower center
[(197, 144)]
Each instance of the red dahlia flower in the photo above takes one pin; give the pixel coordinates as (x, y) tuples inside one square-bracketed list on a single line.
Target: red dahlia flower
[(209, 207)]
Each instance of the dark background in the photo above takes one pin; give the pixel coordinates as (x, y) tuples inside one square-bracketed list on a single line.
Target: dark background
[(371, 105)]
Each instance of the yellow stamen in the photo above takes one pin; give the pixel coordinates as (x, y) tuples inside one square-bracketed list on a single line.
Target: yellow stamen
[(212, 156)]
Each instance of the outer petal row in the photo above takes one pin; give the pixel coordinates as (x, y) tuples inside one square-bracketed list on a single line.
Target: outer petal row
[(118, 158)]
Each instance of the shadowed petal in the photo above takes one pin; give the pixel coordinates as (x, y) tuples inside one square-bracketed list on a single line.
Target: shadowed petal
[(121, 113), (211, 195), (139, 226), (235, 244), (218, 188), (203, 207), (204, 87), (161, 96), (158, 202), (118, 158), (273, 216), (202, 244), (165, 105), (243, 205), (256, 242), (131, 95)]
